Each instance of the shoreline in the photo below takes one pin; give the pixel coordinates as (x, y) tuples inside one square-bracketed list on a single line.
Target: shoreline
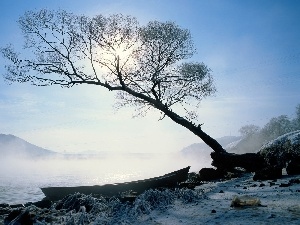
[(279, 204), (209, 203)]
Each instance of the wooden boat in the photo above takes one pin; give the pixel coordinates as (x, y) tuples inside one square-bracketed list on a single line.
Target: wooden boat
[(108, 190)]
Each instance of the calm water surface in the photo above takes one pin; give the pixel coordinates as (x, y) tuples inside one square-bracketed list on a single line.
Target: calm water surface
[(21, 180), (22, 188)]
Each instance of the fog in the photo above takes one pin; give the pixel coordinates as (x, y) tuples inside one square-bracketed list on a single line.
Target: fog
[(94, 170)]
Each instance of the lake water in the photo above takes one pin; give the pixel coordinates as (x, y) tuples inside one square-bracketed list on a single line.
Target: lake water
[(21, 180)]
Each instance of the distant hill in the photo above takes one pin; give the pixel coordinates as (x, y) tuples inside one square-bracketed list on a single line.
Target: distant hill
[(198, 149), (13, 146), (198, 154)]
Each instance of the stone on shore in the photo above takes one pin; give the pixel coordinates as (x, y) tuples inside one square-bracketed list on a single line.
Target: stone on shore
[(283, 151)]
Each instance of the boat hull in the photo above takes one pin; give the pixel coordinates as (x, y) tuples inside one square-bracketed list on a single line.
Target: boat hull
[(109, 190)]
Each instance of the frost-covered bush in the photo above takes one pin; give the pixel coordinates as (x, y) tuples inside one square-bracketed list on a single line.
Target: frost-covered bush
[(153, 199), (80, 209), (77, 201), (281, 150), (189, 196)]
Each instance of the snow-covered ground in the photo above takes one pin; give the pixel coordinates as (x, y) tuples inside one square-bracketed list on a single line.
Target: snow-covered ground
[(275, 202), (279, 205)]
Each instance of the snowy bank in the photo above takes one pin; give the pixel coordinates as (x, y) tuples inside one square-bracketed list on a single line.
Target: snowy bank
[(279, 204)]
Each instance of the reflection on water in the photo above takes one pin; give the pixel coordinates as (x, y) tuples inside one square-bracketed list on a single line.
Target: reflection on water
[(22, 188), (20, 180)]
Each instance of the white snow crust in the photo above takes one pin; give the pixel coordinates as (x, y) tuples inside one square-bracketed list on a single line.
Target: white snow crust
[(293, 137)]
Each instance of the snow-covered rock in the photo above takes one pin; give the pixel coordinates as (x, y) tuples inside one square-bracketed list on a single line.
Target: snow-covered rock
[(282, 150)]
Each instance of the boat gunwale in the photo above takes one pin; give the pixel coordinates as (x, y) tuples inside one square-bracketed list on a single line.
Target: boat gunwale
[(167, 180)]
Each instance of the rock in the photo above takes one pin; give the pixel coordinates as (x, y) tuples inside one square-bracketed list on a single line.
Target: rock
[(208, 174), (243, 201), (268, 173), (282, 150)]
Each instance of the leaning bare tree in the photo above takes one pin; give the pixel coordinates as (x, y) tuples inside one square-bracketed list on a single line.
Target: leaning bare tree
[(145, 65)]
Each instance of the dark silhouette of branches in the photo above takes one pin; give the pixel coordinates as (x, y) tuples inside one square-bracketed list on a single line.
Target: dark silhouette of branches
[(145, 65)]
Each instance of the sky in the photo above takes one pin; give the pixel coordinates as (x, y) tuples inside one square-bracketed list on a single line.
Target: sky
[(252, 48)]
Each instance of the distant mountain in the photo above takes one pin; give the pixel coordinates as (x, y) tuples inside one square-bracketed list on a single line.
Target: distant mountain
[(11, 145), (202, 149)]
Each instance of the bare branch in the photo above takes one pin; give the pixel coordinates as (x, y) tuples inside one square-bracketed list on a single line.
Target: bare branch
[(143, 64)]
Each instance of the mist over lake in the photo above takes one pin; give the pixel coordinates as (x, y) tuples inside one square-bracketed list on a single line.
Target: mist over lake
[(22, 178), (25, 168)]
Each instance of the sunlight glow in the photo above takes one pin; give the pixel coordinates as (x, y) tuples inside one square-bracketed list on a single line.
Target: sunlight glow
[(118, 55)]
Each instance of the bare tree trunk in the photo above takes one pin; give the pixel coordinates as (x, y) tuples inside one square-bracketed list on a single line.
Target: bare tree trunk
[(196, 129), (223, 160)]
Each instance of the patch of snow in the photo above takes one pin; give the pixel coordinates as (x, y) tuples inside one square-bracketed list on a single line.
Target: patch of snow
[(293, 137), (281, 150), (232, 144)]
